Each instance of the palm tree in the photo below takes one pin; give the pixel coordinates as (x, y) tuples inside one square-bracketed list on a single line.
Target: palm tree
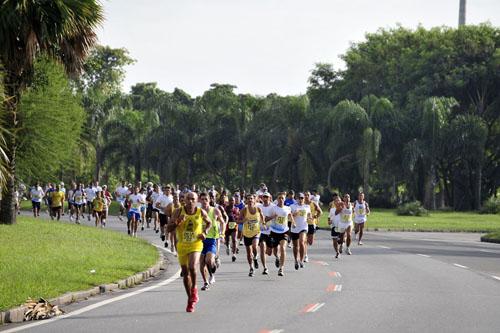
[(461, 13), (64, 30)]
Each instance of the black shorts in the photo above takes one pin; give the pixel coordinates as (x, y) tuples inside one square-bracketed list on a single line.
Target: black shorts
[(338, 235), (163, 220), (296, 235), (249, 240), (56, 209), (35, 205), (156, 210), (311, 229), (230, 231), (276, 238), (265, 239), (70, 205)]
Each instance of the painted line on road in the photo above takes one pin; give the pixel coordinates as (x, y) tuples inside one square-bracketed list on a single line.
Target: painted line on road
[(96, 305), (271, 331), (423, 255), (335, 274), (316, 307), (496, 277), (461, 266), (322, 263), (384, 247), (334, 287)]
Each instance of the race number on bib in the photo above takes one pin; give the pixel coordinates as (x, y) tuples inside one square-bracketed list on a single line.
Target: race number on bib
[(281, 220), (189, 236), (232, 225)]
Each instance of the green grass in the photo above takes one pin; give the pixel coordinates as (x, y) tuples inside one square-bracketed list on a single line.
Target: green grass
[(437, 221), (41, 258), (493, 236)]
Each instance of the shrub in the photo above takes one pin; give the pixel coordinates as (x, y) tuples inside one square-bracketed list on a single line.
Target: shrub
[(491, 206), (412, 209)]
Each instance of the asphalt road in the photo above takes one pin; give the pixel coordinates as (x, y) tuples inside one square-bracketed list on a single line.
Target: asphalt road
[(396, 282)]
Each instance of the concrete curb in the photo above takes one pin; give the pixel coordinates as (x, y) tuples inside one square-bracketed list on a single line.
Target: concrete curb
[(490, 240), (16, 315)]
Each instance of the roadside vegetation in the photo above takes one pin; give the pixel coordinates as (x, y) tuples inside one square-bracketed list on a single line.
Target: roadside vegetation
[(42, 258)]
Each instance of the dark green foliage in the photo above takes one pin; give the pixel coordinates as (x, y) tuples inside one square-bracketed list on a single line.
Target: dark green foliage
[(491, 206), (414, 208)]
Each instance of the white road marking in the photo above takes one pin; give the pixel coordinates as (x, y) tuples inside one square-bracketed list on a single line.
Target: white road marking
[(461, 266), (384, 247), (488, 251), (97, 305), (276, 331), (338, 287), (423, 255), (316, 307), (496, 277)]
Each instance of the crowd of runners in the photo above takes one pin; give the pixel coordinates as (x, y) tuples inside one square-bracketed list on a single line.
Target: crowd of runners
[(193, 224)]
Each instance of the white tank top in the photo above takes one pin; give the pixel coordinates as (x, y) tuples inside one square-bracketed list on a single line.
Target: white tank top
[(360, 212)]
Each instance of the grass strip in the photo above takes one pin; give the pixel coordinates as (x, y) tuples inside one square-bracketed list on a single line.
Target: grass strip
[(387, 219), (41, 258)]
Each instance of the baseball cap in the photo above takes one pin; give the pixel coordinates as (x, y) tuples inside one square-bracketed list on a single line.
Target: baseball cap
[(266, 194)]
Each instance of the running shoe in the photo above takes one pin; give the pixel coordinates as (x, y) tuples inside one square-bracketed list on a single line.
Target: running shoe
[(206, 286), (162, 238), (296, 265), (280, 272), (212, 279), (233, 258), (166, 245), (241, 242), (348, 251), (306, 258), (337, 255), (142, 228), (128, 231), (120, 218), (71, 218), (190, 306), (217, 262), (227, 250), (289, 245), (301, 265), (251, 272), (256, 263), (194, 295), (265, 271), (340, 248), (157, 230), (277, 262), (360, 243)]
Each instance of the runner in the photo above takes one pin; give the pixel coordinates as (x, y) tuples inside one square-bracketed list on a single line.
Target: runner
[(160, 204), (153, 211), (169, 211), (90, 195), (334, 221), (57, 202), (79, 202), (251, 217), (71, 202), (121, 194), (143, 206), (207, 258), (99, 203), (48, 198), (361, 211), (302, 215), (312, 224), (238, 203), (63, 190), (279, 229), (188, 221), (265, 243), (290, 200), (36, 194), (223, 214), (108, 199), (232, 217), (136, 200), (346, 222)]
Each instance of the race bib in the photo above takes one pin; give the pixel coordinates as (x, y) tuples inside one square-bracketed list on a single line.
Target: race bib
[(189, 236), (281, 220), (78, 198), (136, 205), (251, 225), (232, 225), (361, 211), (302, 213), (346, 218)]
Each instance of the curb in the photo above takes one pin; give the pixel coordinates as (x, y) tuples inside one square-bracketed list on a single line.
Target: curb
[(16, 315), (490, 240)]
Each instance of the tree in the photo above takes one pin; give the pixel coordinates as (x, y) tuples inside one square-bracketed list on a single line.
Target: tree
[(62, 29), (4, 160), (100, 85)]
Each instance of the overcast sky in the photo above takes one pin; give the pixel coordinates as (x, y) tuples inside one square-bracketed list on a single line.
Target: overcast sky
[(261, 46)]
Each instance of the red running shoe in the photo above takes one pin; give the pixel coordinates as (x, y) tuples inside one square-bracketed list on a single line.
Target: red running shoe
[(190, 306), (194, 295)]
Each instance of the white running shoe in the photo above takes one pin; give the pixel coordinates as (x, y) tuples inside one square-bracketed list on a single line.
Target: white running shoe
[(212, 279), (348, 251), (306, 258)]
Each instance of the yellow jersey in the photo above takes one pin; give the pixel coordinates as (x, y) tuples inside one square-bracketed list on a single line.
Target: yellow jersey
[(189, 230), (57, 198), (313, 220), (251, 225)]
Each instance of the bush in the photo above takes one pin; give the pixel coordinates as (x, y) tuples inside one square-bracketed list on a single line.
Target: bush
[(491, 206), (412, 209)]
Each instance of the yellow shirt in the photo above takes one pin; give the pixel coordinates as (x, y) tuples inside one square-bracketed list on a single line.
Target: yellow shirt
[(251, 226), (189, 230), (313, 220), (57, 198), (98, 204)]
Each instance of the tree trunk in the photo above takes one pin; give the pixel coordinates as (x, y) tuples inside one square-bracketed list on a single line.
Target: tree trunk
[(477, 194), (7, 210), (429, 196), (98, 162)]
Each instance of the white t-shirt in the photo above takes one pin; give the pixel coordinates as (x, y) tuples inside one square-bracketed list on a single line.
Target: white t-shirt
[(280, 223), (164, 201), (36, 194), (122, 193), (301, 219), (315, 198), (78, 197), (267, 211), (90, 192), (136, 201), (360, 212)]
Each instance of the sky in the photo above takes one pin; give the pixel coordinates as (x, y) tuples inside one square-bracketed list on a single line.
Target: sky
[(260, 46)]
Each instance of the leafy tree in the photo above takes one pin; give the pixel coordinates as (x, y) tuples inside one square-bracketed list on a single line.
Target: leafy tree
[(64, 30)]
